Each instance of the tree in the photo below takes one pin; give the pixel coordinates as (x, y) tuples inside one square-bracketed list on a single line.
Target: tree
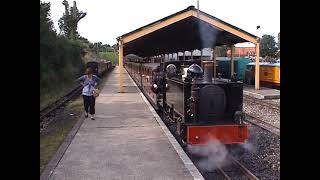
[(68, 23), (268, 46), (45, 21), (60, 58), (97, 47), (115, 47)]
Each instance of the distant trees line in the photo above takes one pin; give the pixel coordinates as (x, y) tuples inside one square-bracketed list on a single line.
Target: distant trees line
[(99, 47)]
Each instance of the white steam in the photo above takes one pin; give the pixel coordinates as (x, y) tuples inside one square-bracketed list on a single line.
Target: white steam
[(213, 155), (249, 147), (208, 34)]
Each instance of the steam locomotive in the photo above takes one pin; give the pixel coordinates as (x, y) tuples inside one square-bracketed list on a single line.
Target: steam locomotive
[(195, 107)]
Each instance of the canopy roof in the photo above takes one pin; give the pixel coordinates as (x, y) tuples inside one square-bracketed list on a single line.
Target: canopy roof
[(183, 31)]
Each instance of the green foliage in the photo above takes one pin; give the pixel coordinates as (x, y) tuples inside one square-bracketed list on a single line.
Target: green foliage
[(268, 46), (110, 56), (60, 58), (99, 47), (68, 23)]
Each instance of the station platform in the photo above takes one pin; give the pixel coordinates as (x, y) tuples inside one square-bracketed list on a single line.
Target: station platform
[(262, 93), (127, 140)]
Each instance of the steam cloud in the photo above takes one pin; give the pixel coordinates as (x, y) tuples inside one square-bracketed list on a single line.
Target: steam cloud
[(213, 155), (249, 147), (207, 34)]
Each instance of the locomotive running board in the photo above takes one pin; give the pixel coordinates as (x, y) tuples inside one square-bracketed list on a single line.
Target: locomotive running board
[(226, 134)]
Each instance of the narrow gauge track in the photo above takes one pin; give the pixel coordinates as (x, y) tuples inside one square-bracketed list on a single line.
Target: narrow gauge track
[(48, 110), (236, 171), (263, 124), (45, 112), (260, 102)]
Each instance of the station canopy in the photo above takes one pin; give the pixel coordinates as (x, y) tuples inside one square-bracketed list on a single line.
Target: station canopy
[(183, 31)]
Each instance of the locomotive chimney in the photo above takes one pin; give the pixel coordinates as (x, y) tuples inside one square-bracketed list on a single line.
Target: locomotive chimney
[(207, 69)]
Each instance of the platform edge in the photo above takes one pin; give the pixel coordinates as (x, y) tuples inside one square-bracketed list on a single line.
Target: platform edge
[(183, 156)]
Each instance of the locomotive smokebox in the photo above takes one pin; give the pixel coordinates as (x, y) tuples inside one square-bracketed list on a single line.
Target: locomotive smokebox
[(207, 69)]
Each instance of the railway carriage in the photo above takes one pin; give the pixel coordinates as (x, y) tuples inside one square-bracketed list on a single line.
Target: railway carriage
[(269, 74), (99, 67)]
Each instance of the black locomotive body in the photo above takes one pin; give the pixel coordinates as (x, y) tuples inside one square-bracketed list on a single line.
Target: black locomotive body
[(197, 107)]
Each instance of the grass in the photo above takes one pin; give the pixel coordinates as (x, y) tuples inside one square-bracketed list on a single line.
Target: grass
[(111, 56), (63, 123), (50, 142), (55, 94)]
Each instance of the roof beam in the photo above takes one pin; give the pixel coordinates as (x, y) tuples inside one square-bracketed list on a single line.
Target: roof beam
[(157, 26), (225, 27)]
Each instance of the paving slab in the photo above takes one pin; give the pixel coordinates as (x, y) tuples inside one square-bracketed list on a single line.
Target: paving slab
[(262, 93)]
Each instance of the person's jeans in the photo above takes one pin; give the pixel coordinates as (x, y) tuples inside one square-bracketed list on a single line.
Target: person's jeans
[(89, 103)]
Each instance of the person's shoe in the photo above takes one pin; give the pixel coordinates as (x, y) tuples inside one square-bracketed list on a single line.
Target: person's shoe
[(86, 115), (92, 117)]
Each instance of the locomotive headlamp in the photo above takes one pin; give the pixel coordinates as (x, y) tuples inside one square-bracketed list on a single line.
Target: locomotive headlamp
[(197, 137)]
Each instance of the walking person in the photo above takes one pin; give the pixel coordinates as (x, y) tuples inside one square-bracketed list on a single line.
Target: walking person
[(89, 82)]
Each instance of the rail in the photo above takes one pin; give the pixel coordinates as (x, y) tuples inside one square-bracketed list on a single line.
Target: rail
[(237, 165), (260, 102), (263, 124)]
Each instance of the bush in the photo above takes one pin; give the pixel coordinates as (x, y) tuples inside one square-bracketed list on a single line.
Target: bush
[(110, 56), (60, 59)]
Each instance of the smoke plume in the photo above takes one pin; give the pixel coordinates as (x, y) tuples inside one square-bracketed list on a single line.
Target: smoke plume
[(208, 34), (213, 155)]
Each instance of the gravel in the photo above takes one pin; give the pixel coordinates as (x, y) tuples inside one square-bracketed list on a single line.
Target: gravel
[(262, 154), (272, 101), (262, 112)]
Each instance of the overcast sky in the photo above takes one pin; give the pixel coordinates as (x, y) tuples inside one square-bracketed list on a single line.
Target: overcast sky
[(106, 19)]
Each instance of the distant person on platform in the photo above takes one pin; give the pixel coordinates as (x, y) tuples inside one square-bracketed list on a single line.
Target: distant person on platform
[(89, 82)]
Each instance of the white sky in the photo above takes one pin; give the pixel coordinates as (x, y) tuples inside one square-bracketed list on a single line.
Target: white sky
[(106, 19)]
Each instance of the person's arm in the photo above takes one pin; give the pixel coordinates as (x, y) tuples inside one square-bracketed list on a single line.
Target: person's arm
[(97, 81), (81, 80)]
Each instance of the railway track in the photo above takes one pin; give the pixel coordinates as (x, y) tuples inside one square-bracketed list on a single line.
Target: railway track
[(263, 124), (236, 171), (47, 111), (50, 109), (260, 102)]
